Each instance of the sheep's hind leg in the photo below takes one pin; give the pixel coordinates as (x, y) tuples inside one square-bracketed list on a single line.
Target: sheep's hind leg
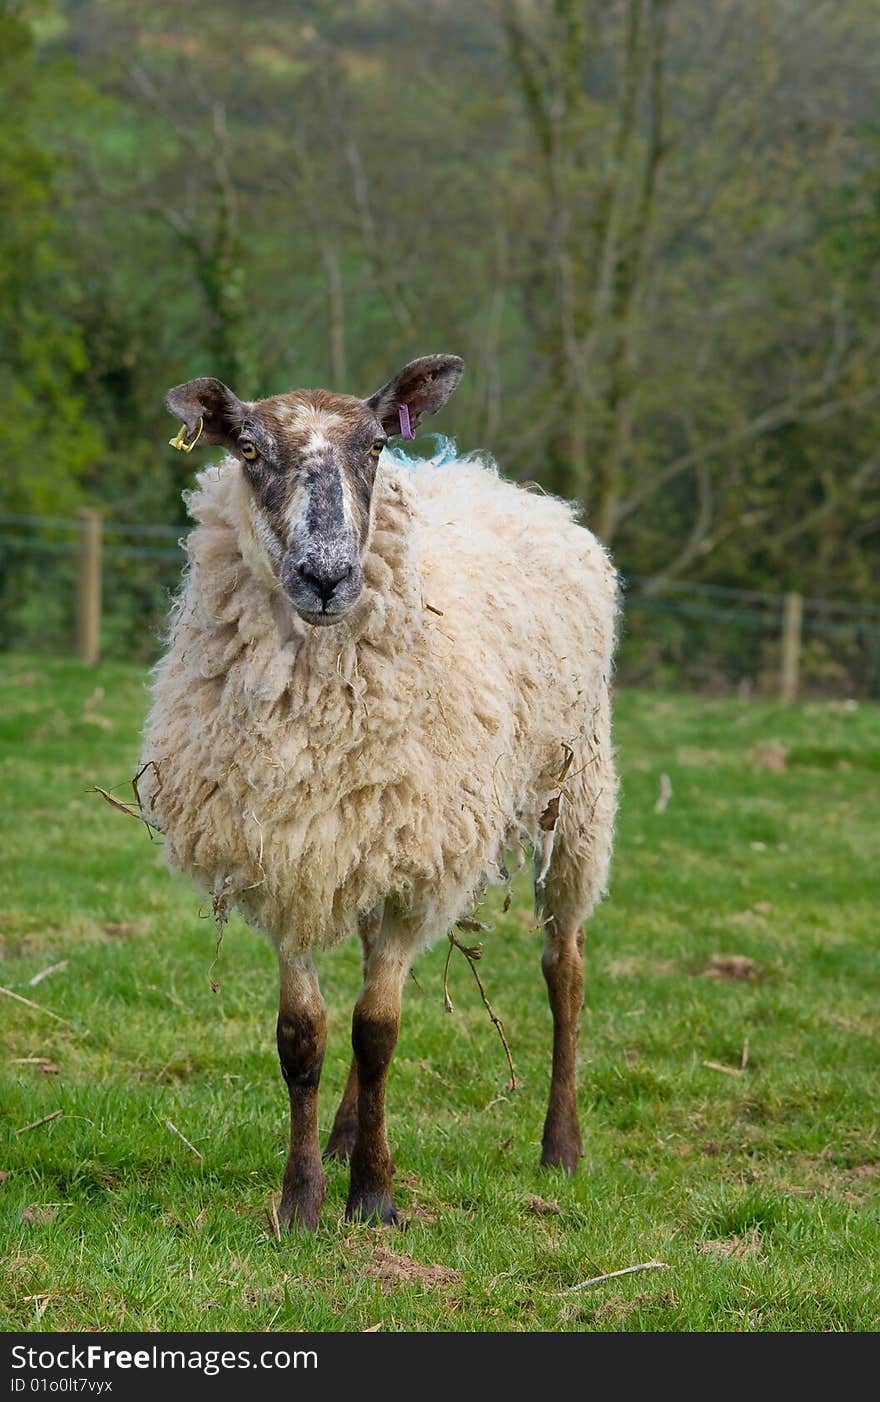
[(302, 1037), (571, 876), (374, 1030), (563, 968), (345, 1124)]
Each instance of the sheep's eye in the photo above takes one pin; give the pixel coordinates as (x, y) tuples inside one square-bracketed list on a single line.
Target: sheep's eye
[(248, 450), (376, 450)]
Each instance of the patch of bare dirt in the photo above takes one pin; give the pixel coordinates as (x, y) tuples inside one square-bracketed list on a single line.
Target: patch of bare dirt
[(391, 1269), (541, 1207), (818, 1174), (736, 1248), (732, 966), (642, 1169), (745, 917), (690, 757), (25, 679), (24, 935), (863, 1176), (862, 1170), (40, 1214), (634, 966), (617, 1307), (421, 1212), (772, 755)]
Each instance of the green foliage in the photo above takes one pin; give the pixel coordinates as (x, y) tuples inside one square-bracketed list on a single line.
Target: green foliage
[(50, 442), (756, 1186), (650, 228)]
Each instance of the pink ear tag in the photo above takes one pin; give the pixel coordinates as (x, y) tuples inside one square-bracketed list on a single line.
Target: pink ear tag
[(405, 425)]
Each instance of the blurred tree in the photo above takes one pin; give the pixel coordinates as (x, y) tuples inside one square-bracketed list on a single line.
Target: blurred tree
[(51, 440), (649, 225), (679, 309)]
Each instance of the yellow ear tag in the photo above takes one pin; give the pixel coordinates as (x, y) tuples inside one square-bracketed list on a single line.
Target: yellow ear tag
[(179, 440)]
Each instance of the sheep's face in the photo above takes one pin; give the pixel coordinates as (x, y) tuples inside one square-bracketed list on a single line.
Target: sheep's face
[(310, 460)]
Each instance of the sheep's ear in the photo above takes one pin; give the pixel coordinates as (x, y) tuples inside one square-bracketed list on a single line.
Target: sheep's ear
[(221, 412), (422, 387)]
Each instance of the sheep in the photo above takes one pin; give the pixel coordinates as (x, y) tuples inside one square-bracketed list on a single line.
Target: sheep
[(381, 677)]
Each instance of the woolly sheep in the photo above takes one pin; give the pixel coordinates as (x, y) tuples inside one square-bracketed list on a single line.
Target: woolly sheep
[(380, 678)]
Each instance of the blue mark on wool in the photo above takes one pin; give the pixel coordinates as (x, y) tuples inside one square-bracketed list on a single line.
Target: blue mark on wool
[(444, 452)]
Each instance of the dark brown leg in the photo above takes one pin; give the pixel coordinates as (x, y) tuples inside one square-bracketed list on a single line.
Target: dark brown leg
[(302, 1036), (373, 1037), (563, 967), (344, 1132)]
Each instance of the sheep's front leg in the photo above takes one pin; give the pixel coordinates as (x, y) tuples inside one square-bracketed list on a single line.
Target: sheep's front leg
[(302, 1037), (374, 1031), (344, 1132)]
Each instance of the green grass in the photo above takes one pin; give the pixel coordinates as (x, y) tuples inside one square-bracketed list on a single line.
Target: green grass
[(758, 1188)]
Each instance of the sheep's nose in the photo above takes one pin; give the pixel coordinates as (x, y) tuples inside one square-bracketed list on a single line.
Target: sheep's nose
[(323, 581)]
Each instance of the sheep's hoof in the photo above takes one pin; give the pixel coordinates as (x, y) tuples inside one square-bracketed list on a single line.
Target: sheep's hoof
[(562, 1151), (301, 1202), (567, 1162), (377, 1208), (341, 1142), (299, 1216)]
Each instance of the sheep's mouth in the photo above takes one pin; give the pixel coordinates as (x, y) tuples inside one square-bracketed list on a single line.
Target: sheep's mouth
[(321, 602), (321, 619)]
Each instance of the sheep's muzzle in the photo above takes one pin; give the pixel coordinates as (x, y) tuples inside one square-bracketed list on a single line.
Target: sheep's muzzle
[(324, 585)]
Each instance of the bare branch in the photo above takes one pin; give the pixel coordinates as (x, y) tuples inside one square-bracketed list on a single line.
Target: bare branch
[(780, 415), (387, 275), (699, 542), (534, 65), (843, 494)]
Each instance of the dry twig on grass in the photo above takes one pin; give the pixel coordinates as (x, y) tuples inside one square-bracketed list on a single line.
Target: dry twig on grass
[(173, 1127), (273, 1217), (42, 1063), (717, 1066), (612, 1275), (664, 795), (44, 973), (36, 1006), (35, 1124)]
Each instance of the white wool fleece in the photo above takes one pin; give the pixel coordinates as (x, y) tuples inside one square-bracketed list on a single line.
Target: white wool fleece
[(306, 774)]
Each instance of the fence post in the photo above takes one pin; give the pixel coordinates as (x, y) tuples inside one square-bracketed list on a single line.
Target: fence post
[(88, 596), (792, 627)]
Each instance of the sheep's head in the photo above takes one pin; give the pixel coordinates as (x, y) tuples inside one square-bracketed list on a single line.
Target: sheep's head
[(310, 460)]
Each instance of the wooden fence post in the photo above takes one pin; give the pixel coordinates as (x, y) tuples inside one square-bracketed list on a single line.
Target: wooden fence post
[(792, 628), (88, 596)]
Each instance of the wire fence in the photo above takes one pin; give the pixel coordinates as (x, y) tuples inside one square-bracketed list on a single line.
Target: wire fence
[(717, 639), (45, 575), (108, 592)]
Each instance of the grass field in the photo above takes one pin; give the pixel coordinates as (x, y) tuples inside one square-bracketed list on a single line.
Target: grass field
[(756, 1185)]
